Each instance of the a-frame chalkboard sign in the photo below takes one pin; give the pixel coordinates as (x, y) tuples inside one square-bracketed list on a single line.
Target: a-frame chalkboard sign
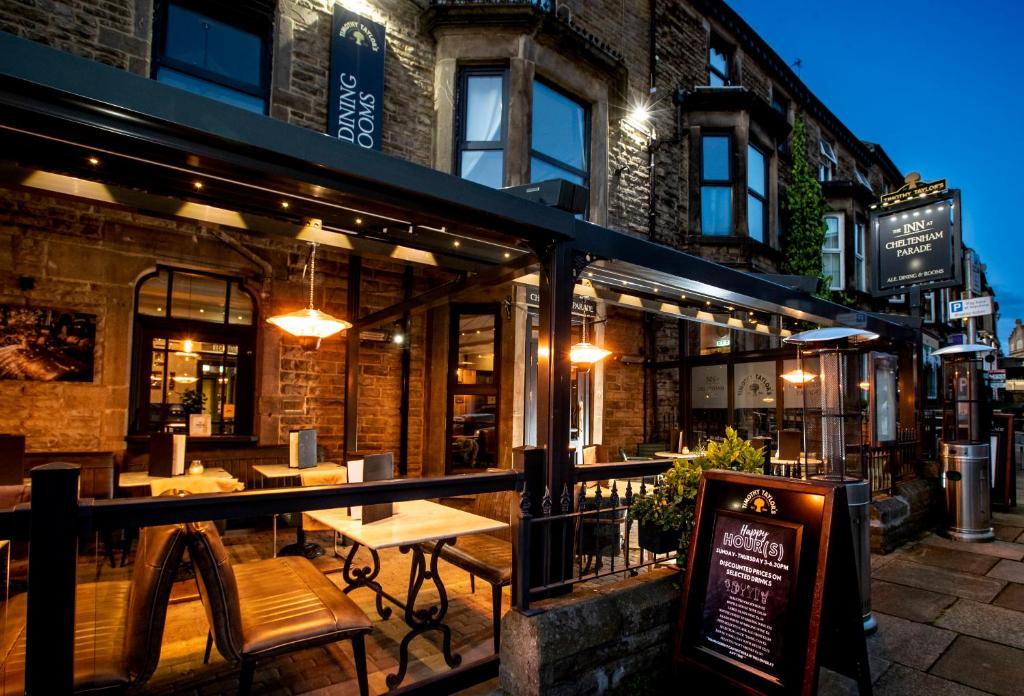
[(771, 590)]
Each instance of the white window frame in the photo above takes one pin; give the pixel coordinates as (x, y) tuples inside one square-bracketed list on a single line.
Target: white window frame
[(829, 162), (928, 310), (840, 283), (863, 179), (860, 267)]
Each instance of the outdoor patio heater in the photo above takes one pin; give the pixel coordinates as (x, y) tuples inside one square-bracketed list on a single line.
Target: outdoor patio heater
[(966, 422), (832, 347)]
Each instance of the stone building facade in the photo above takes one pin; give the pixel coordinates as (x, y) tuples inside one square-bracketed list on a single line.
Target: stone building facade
[(701, 70)]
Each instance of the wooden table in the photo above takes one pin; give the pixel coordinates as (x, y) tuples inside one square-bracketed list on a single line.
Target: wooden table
[(283, 471), (413, 522), (676, 455), (212, 480)]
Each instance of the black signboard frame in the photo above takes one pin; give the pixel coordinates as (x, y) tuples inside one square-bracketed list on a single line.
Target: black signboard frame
[(953, 275), (823, 624)]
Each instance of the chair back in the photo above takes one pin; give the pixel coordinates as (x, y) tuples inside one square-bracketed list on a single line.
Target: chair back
[(496, 506), (156, 564), (12, 460), (217, 588), (790, 444)]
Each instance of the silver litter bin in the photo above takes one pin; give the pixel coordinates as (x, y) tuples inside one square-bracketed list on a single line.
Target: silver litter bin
[(968, 485)]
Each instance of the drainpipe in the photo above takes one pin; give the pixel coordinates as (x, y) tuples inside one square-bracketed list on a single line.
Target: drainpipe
[(652, 215)]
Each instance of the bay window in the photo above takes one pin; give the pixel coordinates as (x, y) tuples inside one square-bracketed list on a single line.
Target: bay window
[(716, 185), (482, 126), (832, 252), (560, 143), (757, 187), (859, 267)]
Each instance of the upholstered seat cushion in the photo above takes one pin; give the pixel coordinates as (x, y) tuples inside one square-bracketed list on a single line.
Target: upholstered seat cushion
[(286, 601), (482, 555)]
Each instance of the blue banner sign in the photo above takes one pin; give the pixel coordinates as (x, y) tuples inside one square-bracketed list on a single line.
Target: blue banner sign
[(356, 94)]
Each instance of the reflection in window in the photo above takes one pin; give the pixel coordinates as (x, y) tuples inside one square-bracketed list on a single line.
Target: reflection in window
[(718, 63), (191, 377), (481, 133), (217, 59), (473, 393), (757, 185), (716, 185), (560, 137), (194, 296)]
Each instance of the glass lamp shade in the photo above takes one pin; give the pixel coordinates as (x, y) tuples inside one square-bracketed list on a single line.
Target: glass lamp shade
[(585, 353), (798, 377), (309, 323)]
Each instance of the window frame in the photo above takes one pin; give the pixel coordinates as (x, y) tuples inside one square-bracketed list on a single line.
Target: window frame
[(584, 174), (860, 272), (146, 327), (762, 197), (839, 250), (716, 42), (830, 160), (251, 22), (729, 183), (462, 119), (862, 178)]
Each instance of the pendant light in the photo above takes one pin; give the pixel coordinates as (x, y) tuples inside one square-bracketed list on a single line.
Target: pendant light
[(310, 323), (584, 353)]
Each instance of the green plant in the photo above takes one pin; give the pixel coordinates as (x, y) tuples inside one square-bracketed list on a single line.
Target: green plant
[(670, 504), (805, 209), (193, 401)]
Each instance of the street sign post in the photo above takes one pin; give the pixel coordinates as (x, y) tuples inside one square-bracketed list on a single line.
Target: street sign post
[(970, 307)]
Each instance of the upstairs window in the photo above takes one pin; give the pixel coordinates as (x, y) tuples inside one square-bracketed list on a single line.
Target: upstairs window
[(718, 63), (757, 187), (716, 185), (482, 128), (560, 143), (214, 49), (780, 103), (863, 180), (832, 252), (859, 267), (829, 161)]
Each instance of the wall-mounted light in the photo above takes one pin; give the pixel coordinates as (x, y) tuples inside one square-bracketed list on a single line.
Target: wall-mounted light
[(798, 377)]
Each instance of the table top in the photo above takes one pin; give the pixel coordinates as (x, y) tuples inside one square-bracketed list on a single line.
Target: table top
[(284, 471), (131, 479), (801, 460), (677, 455), (413, 521)]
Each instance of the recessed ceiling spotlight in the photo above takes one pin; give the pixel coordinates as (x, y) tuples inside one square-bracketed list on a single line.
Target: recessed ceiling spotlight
[(507, 255), (94, 161), (359, 221), (197, 185), (285, 205), (455, 243)]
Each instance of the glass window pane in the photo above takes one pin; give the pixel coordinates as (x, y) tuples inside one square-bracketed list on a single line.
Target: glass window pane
[(719, 60), (474, 433), (559, 126), (198, 297), (483, 166), (716, 209), (543, 171), (153, 296), (241, 310), (206, 43), (715, 158), (476, 349), (755, 218), (830, 268), (831, 233), (211, 90), (755, 170), (484, 104)]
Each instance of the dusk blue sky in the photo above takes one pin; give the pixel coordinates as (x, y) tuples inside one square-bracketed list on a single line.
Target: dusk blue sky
[(940, 85)]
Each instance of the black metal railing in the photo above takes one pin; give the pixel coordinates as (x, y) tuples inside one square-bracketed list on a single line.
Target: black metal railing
[(587, 534), (889, 464), (57, 518)]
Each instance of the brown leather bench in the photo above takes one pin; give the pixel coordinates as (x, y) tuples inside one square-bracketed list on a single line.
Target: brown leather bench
[(265, 608), (119, 625), (487, 556)]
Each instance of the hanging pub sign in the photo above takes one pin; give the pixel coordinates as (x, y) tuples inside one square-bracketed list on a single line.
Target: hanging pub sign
[(356, 93), (771, 592), (917, 244)]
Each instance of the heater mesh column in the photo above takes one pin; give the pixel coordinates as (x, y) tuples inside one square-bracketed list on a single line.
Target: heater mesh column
[(833, 440)]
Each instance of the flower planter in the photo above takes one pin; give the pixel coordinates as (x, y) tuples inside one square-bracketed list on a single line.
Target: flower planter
[(657, 540)]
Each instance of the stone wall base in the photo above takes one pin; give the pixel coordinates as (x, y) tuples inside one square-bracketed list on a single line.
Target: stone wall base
[(614, 639), (916, 507)]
